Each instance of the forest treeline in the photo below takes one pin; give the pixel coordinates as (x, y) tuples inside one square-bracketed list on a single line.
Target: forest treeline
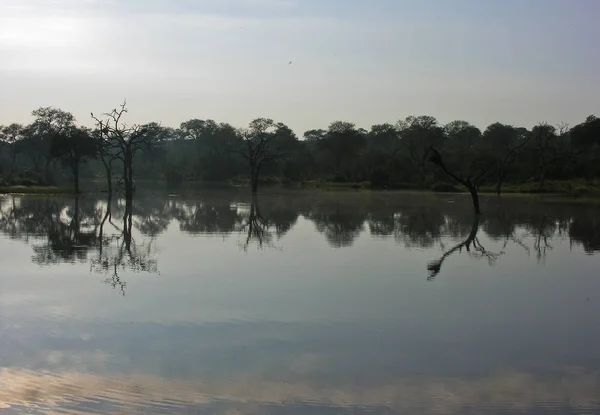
[(415, 152)]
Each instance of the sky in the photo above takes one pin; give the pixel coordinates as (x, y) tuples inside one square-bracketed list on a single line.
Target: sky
[(366, 61)]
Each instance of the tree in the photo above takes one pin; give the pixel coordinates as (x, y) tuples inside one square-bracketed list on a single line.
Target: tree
[(506, 143), (314, 135), (418, 135), (263, 142), (381, 144), (475, 170), (343, 143), (461, 137), (48, 123), (11, 135), (123, 142), (549, 147), (72, 147)]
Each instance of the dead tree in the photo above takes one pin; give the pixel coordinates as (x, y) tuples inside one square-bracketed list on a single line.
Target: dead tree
[(471, 181), (122, 142)]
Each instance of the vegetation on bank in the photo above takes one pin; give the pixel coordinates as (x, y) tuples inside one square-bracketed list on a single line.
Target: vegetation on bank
[(37, 190), (415, 153)]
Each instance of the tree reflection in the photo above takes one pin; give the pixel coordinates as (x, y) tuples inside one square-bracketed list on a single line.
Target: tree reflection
[(119, 251), (207, 217), (472, 246), (71, 233), (119, 236), (82, 230), (585, 229), (340, 224), (262, 226)]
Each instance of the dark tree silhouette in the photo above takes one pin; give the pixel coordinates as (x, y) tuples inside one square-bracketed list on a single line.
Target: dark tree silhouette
[(49, 122), (262, 143), (505, 143), (122, 142), (418, 135), (478, 172), (11, 137), (73, 147)]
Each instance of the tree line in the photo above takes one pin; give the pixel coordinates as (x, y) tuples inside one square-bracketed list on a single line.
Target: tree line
[(415, 152)]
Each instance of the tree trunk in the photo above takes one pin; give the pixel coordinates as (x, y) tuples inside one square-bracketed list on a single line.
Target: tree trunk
[(128, 174), (127, 224), (76, 177), (475, 197), (499, 183), (254, 171), (108, 170), (13, 161), (254, 183)]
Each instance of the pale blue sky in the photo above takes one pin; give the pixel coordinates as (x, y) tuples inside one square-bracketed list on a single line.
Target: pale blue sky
[(515, 61)]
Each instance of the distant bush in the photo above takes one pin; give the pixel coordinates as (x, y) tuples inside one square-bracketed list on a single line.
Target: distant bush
[(444, 188)]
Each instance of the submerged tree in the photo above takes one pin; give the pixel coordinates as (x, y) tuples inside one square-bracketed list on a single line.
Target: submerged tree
[(472, 173), (123, 142)]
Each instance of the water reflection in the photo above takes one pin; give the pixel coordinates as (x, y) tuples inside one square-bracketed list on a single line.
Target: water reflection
[(62, 230), (298, 303)]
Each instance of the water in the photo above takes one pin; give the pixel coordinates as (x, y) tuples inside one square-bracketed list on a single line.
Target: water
[(298, 303)]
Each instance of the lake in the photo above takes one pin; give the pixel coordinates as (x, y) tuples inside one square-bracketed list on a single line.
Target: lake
[(313, 302)]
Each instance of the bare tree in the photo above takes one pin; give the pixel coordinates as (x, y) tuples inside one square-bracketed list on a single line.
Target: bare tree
[(122, 142), (478, 172)]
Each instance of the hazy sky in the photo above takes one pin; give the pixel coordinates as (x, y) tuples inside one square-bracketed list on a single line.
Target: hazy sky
[(367, 61)]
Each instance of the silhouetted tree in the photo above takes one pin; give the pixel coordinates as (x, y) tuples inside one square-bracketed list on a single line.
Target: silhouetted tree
[(505, 144), (418, 135), (475, 172), (73, 147), (11, 136), (262, 143), (123, 142), (49, 122)]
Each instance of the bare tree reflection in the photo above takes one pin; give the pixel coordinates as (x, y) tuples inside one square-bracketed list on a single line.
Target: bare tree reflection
[(471, 244), (256, 227), (264, 223), (119, 251)]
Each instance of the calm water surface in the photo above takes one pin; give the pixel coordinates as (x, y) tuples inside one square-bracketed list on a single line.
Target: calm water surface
[(298, 303)]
